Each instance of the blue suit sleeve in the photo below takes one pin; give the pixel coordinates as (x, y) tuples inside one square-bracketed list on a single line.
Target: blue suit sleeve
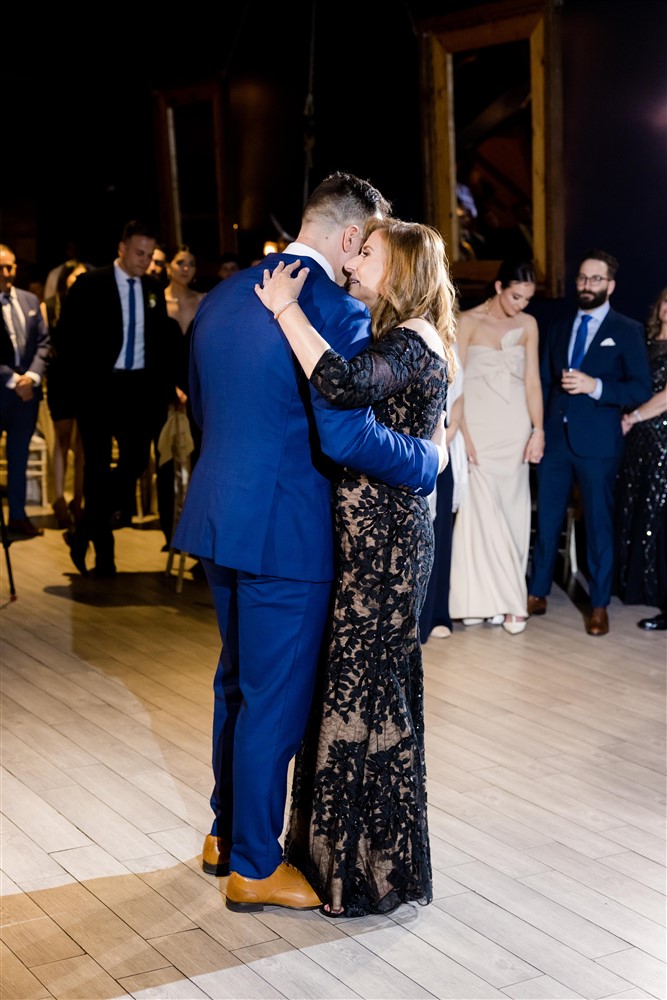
[(355, 439), (635, 385)]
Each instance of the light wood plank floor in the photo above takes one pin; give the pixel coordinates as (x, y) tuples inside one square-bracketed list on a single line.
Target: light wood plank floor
[(546, 757)]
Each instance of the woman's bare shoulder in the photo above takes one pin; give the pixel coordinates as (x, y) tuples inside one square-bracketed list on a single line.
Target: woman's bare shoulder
[(427, 332), (467, 321), (529, 322)]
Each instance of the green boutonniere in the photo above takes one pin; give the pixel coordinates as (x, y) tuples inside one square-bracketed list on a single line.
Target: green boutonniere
[(152, 300)]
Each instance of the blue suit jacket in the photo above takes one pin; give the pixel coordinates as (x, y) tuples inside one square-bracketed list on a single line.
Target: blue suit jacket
[(259, 496), (617, 355), (35, 354)]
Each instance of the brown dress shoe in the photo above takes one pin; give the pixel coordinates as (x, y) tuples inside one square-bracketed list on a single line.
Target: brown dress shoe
[(536, 605), (215, 856), (597, 622), (23, 526), (286, 887)]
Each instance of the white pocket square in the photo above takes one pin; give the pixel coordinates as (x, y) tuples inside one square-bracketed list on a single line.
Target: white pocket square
[(608, 342)]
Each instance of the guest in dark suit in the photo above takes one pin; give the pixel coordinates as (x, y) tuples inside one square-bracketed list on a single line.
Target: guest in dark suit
[(24, 352), (594, 366), (158, 266), (125, 353), (258, 514)]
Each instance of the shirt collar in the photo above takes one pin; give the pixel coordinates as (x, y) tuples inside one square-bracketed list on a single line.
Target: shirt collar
[(303, 250), (597, 314), (122, 275)]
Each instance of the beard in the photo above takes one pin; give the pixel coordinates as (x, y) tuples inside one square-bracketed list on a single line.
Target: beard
[(587, 299)]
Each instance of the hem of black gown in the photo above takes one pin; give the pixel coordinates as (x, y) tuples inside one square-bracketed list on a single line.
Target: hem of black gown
[(359, 907)]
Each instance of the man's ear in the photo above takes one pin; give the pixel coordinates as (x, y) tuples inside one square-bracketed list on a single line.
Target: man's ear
[(610, 288), (349, 236)]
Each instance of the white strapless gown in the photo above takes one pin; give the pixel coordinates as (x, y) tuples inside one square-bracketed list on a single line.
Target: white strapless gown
[(491, 534)]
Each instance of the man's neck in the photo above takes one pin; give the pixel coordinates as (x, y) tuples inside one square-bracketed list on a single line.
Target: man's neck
[(302, 248), (120, 265)]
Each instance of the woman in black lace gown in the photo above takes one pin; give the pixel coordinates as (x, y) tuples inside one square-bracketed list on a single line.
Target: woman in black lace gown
[(641, 498), (358, 827)]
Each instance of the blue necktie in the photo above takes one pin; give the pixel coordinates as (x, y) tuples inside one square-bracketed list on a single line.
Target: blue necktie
[(580, 343), (129, 350), (15, 326)]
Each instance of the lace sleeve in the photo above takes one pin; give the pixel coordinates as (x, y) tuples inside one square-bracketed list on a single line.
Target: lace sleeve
[(385, 368)]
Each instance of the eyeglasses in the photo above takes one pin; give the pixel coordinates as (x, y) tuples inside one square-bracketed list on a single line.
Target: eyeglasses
[(594, 282)]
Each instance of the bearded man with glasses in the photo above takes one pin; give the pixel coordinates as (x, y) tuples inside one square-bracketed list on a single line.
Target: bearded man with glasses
[(594, 367)]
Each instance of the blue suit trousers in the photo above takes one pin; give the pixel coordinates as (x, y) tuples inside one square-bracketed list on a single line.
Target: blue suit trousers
[(18, 419), (271, 631), (596, 478)]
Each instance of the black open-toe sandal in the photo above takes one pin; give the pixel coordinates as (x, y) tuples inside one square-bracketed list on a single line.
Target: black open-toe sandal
[(332, 914)]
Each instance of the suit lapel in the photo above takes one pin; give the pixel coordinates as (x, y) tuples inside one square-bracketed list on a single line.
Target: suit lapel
[(602, 333), (562, 347), (6, 346), (148, 323)]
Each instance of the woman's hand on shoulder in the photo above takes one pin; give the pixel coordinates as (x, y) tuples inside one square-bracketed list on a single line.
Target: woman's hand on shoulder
[(281, 286)]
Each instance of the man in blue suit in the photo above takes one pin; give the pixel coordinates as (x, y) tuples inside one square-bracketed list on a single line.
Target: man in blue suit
[(24, 353), (594, 366), (258, 514)]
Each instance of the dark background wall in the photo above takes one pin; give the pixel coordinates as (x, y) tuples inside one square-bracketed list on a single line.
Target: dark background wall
[(80, 100), (615, 142)]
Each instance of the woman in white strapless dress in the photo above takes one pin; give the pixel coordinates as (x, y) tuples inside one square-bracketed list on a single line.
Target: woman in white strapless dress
[(503, 432)]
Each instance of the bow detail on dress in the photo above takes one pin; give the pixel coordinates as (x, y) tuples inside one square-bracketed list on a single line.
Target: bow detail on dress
[(498, 368)]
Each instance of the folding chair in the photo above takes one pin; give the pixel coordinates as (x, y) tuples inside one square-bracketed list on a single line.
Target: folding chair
[(175, 442)]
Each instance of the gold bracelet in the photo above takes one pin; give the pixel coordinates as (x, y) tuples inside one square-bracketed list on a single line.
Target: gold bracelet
[(282, 309)]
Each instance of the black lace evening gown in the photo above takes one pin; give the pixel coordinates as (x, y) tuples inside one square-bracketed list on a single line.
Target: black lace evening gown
[(641, 503), (358, 826)]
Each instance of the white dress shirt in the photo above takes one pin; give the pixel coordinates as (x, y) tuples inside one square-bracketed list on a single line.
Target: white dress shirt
[(122, 279), (597, 316), (14, 317), (303, 250)]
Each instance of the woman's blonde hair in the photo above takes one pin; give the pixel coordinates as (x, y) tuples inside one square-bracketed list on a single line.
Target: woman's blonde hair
[(415, 282), (653, 325)]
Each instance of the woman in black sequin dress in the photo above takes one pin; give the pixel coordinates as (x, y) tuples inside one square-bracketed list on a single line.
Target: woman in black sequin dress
[(358, 827), (641, 498)]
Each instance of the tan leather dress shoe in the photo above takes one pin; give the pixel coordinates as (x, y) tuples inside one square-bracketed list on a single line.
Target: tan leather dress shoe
[(286, 887), (597, 622), (215, 856), (536, 605)]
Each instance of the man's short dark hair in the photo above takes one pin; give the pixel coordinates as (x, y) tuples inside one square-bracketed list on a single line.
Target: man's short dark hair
[(343, 197), (137, 227), (606, 258)]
